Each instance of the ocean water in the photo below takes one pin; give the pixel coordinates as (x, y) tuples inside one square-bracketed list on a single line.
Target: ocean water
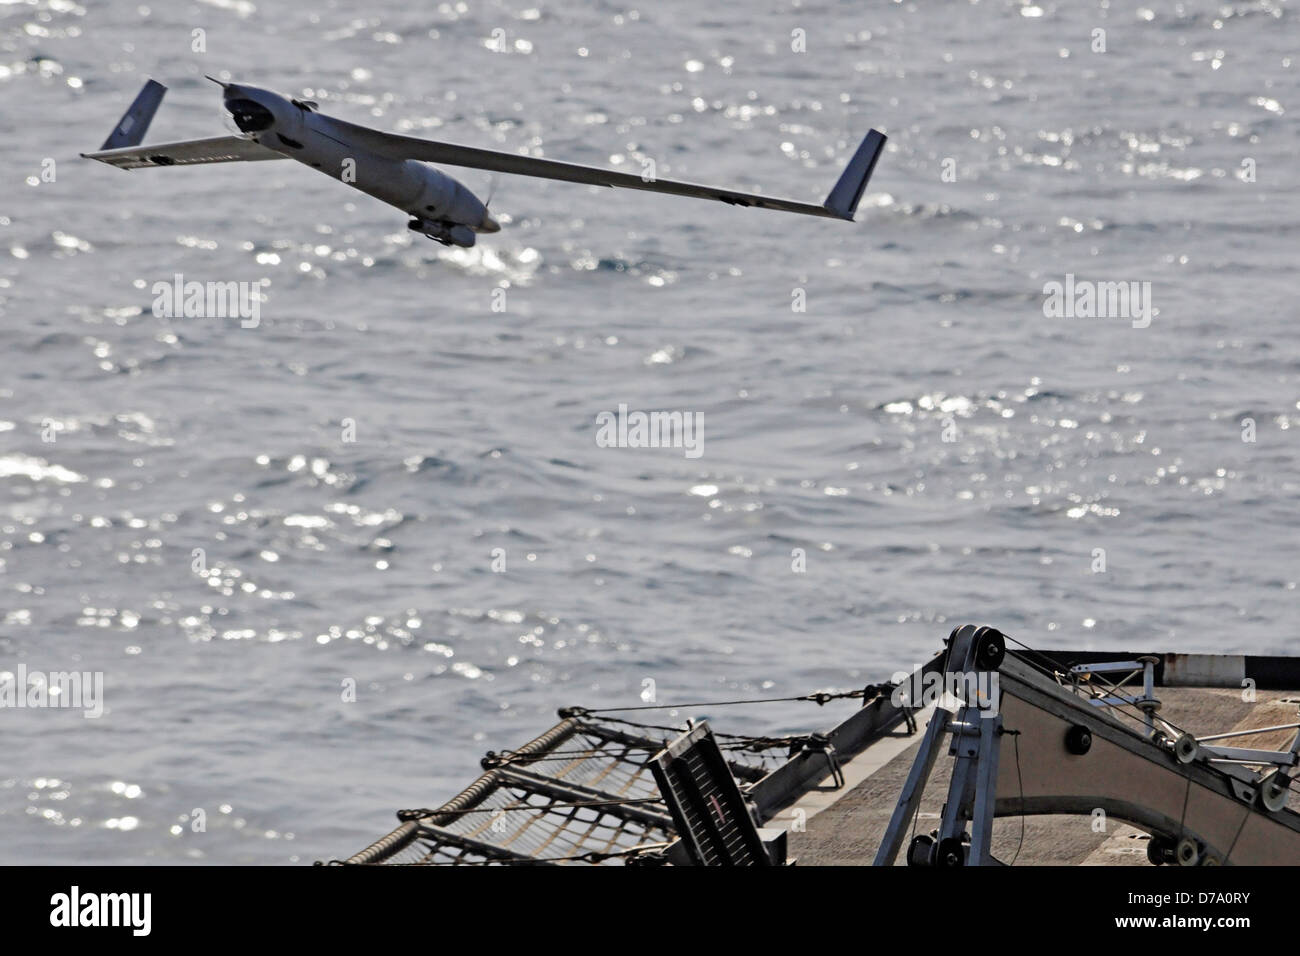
[(238, 527)]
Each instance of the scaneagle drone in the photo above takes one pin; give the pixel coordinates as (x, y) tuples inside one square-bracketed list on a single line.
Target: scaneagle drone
[(392, 168)]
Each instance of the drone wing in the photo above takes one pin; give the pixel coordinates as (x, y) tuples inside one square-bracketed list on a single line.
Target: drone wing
[(841, 203), (219, 149), (123, 150)]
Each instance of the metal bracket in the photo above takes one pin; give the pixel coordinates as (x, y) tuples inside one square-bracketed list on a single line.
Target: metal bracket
[(1148, 703), (976, 733)]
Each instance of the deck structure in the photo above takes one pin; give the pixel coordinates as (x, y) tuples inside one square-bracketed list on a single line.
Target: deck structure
[(1081, 758)]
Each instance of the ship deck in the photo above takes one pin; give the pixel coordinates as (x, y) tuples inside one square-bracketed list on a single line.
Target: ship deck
[(581, 792), (844, 827)]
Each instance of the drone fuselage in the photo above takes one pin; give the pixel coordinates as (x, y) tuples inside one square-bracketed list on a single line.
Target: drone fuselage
[(440, 207), (400, 170)]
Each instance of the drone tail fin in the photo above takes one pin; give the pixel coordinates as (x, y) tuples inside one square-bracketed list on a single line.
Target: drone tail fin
[(843, 199), (134, 123)]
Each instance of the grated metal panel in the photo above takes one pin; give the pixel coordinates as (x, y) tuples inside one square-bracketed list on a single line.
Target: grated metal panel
[(707, 806)]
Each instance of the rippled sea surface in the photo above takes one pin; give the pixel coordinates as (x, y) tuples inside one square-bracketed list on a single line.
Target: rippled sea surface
[(181, 510)]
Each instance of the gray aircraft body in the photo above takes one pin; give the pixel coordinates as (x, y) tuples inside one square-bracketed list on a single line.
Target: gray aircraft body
[(395, 169)]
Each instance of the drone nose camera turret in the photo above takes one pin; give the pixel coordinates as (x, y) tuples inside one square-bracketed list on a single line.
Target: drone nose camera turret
[(249, 115)]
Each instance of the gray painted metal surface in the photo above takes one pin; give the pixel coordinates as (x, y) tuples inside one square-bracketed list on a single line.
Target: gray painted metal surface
[(392, 167)]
